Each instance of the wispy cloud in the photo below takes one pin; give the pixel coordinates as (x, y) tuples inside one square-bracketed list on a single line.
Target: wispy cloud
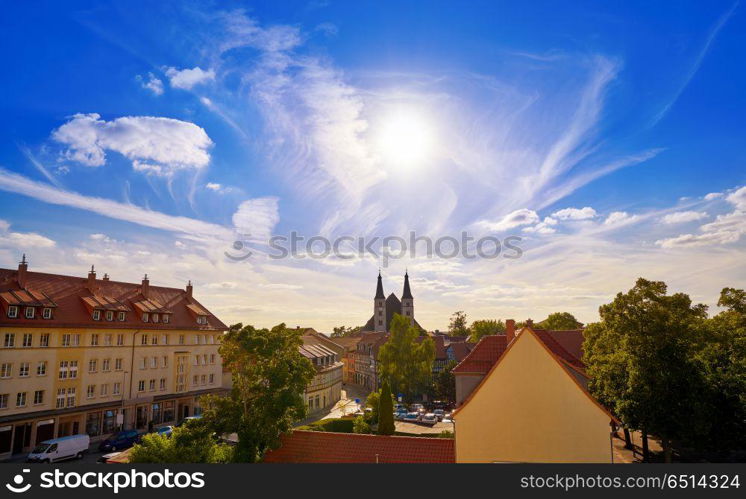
[(152, 83), (187, 79)]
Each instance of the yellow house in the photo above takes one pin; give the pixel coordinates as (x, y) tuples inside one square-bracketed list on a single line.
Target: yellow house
[(533, 406)]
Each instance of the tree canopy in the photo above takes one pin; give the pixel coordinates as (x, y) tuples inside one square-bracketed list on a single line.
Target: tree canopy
[(444, 383), (269, 379), (194, 442), (458, 325), (481, 328), (560, 321), (386, 424), (343, 331), (406, 360)]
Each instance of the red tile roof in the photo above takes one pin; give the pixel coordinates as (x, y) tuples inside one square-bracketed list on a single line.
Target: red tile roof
[(72, 301), (556, 341), (460, 350), (484, 355), (322, 447)]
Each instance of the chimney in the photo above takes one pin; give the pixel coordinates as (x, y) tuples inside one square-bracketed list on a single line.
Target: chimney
[(22, 272), (106, 277), (189, 290), (509, 330), (145, 289), (92, 280)]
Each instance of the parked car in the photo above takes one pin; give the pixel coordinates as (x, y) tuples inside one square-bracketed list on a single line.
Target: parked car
[(400, 408), (120, 440), (104, 458), (165, 430), (429, 419), (439, 413), (187, 419), (400, 414), (58, 449), (412, 417), (418, 408)]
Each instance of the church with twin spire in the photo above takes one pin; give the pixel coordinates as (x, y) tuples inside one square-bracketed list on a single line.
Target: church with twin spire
[(384, 307)]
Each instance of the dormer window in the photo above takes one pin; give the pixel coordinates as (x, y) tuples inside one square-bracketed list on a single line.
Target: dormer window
[(96, 315), (30, 312), (46, 313), (145, 317), (202, 319), (166, 318), (13, 311), (122, 316), (155, 317), (109, 315)]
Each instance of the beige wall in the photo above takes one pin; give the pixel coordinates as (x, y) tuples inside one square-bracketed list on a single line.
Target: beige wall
[(530, 410), (465, 384)]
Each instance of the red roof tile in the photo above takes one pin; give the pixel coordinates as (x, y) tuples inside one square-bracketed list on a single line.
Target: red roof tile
[(322, 447), (556, 341), (484, 355)]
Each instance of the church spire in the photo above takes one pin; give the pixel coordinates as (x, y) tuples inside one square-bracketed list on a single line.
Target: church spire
[(407, 293), (379, 288)]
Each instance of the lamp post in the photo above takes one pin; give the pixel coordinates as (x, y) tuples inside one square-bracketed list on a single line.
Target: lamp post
[(124, 382)]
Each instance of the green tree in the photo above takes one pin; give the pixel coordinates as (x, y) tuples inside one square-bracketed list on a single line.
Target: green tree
[(458, 324), (360, 425), (641, 362), (191, 443), (444, 383), (386, 424), (560, 321), (373, 402), (269, 379), (343, 331), (481, 328), (404, 360)]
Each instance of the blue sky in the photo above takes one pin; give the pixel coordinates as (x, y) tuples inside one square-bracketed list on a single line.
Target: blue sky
[(145, 137)]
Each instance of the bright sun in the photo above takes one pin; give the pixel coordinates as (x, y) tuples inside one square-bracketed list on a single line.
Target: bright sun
[(404, 139)]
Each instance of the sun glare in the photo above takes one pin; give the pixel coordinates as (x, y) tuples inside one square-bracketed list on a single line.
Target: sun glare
[(405, 139)]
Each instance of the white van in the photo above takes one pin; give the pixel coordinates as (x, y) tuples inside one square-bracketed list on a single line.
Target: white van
[(61, 448)]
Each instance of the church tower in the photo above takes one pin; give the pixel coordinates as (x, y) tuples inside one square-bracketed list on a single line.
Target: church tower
[(379, 307), (407, 301)]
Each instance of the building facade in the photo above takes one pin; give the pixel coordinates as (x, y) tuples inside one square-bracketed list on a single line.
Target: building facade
[(325, 389), (88, 355)]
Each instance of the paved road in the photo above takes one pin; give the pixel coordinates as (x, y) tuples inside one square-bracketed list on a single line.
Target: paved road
[(89, 458), (423, 429)]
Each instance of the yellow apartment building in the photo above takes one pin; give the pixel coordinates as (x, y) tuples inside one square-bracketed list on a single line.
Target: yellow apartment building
[(87, 355)]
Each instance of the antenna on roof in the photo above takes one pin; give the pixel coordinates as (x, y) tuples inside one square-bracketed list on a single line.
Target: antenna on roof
[(146, 277), (92, 269), (23, 259)]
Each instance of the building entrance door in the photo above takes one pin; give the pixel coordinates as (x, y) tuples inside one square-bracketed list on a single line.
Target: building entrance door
[(44, 431), (22, 437)]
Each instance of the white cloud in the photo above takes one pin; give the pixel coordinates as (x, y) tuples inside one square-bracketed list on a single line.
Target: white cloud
[(22, 240), (545, 227), (517, 218), (683, 216), (213, 186), (257, 217), (575, 213), (713, 195), (188, 78), (153, 83), (724, 229), (738, 198), (154, 144), (619, 217)]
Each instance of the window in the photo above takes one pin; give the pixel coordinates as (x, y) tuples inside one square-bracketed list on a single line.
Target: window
[(117, 364), (204, 339), (23, 370), (10, 340), (152, 385), (181, 339), (121, 316), (46, 313), (144, 339), (41, 368), (196, 339), (76, 340), (142, 363), (109, 315), (145, 317), (60, 398), (3, 401), (44, 340), (73, 369), (155, 317), (21, 399), (154, 362), (64, 368), (28, 339), (65, 340), (106, 365), (203, 379), (141, 386), (94, 340), (204, 359), (120, 340), (70, 340), (202, 319), (164, 361), (96, 315), (104, 390), (92, 366), (91, 391), (71, 397), (196, 360), (212, 379), (154, 340), (163, 384), (164, 338), (212, 358), (166, 318), (30, 312), (107, 340), (6, 370), (13, 311), (38, 397), (116, 388), (195, 380), (212, 339)]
